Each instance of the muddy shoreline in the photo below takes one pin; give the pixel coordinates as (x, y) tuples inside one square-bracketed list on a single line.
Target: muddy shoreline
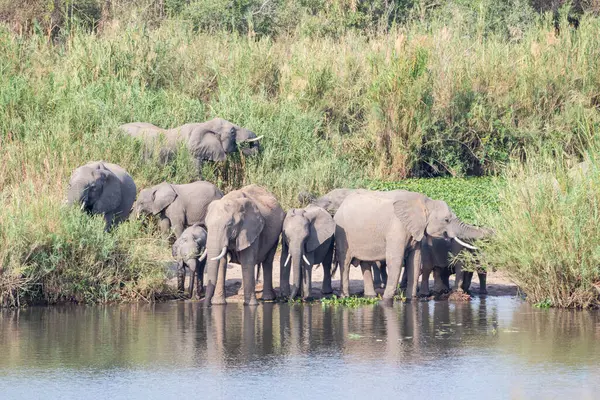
[(498, 284)]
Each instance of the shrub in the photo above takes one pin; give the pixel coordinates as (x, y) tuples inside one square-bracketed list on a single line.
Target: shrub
[(548, 234)]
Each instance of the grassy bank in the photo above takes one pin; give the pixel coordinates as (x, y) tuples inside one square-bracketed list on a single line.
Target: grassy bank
[(440, 94), (548, 233)]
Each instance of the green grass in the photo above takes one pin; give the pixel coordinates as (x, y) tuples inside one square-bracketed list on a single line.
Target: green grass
[(351, 302), (548, 233), (440, 94)]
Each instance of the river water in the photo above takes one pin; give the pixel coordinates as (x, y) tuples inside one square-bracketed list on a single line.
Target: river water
[(494, 348)]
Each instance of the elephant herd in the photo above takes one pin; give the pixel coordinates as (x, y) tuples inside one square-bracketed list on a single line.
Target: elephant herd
[(380, 231)]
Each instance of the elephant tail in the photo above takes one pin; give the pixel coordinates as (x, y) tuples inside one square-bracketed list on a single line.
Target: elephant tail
[(258, 272), (335, 262)]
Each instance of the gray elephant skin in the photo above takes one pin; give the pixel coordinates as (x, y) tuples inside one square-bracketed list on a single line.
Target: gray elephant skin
[(246, 224), (386, 226), (330, 201), (177, 206), (437, 257), (306, 240), (211, 140), (102, 188), (189, 250)]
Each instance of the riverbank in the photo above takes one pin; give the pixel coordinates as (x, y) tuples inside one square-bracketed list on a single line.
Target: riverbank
[(498, 284)]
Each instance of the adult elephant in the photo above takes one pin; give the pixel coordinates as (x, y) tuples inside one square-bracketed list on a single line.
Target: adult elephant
[(245, 223), (102, 188), (211, 140), (306, 240), (177, 206), (378, 226)]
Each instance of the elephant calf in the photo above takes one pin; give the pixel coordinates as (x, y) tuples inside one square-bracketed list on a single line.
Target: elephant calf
[(102, 188), (177, 206), (306, 240), (190, 252)]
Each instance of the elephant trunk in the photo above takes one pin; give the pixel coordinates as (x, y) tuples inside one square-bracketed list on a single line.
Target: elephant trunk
[(78, 194), (468, 232), (216, 240), (297, 261)]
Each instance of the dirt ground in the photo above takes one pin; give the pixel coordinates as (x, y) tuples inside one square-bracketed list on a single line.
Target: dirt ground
[(497, 283)]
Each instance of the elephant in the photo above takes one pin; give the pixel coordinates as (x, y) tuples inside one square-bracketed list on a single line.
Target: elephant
[(189, 250), (378, 226), (245, 223), (306, 240), (102, 188), (436, 258), (177, 206), (330, 201), (211, 140)]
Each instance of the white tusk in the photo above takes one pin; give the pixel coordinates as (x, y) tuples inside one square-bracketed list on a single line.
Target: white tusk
[(82, 206), (254, 139), (306, 260), (203, 256), (468, 246), (287, 260), (220, 255)]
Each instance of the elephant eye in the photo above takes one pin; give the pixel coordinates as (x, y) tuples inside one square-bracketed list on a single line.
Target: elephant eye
[(232, 131)]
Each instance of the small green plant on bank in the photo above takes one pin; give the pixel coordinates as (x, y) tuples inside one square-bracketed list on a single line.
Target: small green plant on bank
[(352, 301), (546, 303)]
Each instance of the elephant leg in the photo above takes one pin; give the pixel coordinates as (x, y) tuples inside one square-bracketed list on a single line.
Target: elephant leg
[(284, 272), (200, 278), (267, 265), (404, 280), (109, 219), (307, 282), (192, 264), (376, 276), (394, 258), (414, 270), (368, 279), (165, 226), (467, 277), (445, 276), (249, 284), (383, 272), (482, 282), (327, 261), (440, 276), (219, 297), (459, 277), (180, 277), (345, 262)]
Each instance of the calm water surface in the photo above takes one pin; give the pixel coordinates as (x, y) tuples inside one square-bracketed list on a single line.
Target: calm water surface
[(495, 348)]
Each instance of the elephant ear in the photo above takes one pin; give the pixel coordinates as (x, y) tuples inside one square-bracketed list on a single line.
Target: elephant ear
[(411, 210), (206, 145), (162, 197), (251, 226), (322, 227), (110, 197)]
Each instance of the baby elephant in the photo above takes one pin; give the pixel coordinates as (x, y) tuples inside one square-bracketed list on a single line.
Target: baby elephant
[(307, 239), (177, 206), (190, 252)]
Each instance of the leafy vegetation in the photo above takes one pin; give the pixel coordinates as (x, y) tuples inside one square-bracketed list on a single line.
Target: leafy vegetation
[(548, 233), (352, 301)]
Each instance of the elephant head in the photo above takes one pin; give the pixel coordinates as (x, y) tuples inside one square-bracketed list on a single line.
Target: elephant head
[(191, 244), (234, 224), (434, 219), (155, 199), (95, 187), (214, 139), (304, 230)]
